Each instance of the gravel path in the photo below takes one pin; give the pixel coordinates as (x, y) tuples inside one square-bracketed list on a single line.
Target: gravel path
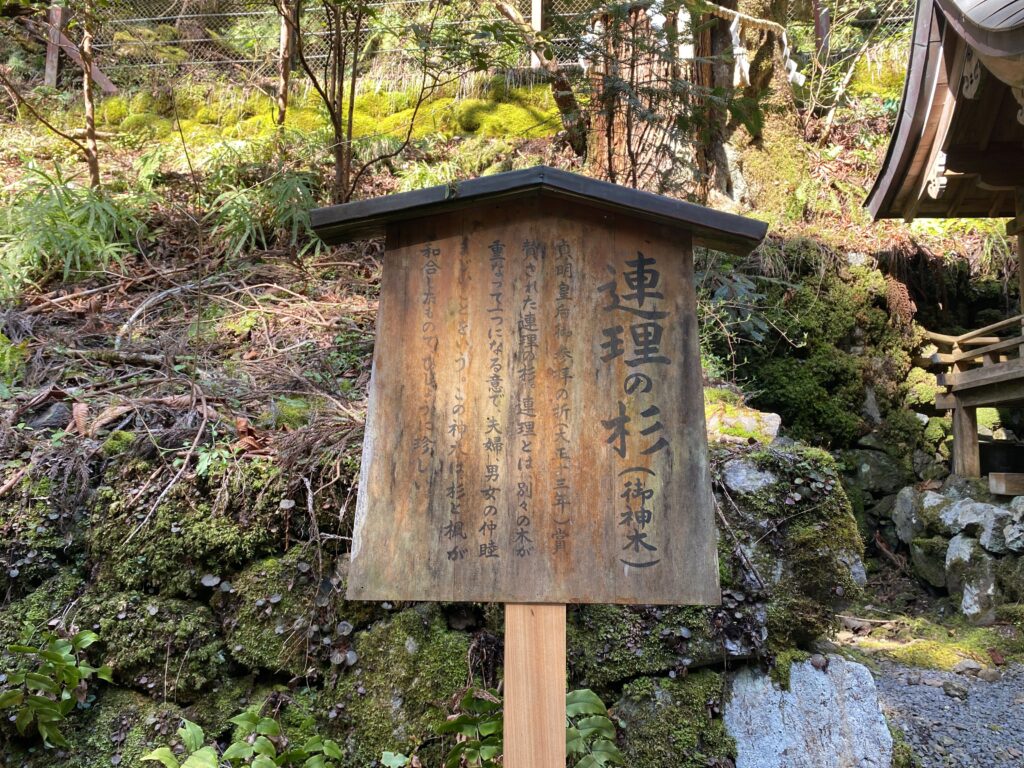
[(957, 720)]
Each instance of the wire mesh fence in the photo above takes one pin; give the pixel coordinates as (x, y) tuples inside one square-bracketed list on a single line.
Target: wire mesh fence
[(833, 37), (242, 38), (239, 40)]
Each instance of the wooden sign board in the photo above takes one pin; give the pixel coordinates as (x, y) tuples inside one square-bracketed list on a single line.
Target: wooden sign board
[(536, 425)]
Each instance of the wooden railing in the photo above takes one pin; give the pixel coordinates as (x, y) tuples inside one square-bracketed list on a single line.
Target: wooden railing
[(980, 357), (983, 347)]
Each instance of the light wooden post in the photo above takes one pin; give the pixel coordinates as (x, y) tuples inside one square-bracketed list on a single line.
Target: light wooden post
[(534, 685), (55, 17), (1016, 227)]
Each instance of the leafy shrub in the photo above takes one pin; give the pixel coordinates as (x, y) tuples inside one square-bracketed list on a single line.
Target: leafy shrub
[(259, 742), (52, 227), (270, 213), (589, 733), (55, 682)]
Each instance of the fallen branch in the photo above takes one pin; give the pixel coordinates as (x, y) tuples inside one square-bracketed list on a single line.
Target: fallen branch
[(13, 480)]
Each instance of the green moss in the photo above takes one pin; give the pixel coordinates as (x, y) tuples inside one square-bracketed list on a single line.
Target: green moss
[(902, 433), (286, 412), (112, 111), (435, 117), (674, 722), (989, 418), (840, 342), (164, 647), (818, 545), (148, 125), (783, 663), (880, 75), (119, 724), (409, 669), (210, 524), (46, 602), (118, 443), (929, 644), (380, 104), (722, 395), (275, 620), (922, 387), (902, 753), (778, 174), (1010, 578), (12, 362), (486, 118), (40, 536), (610, 643)]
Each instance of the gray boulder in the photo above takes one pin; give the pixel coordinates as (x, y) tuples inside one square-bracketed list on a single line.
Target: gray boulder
[(905, 517), (742, 476), (970, 573), (875, 472), (1013, 537), (976, 518), (829, 718)]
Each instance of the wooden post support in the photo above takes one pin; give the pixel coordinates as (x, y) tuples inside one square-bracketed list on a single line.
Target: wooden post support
[(534, 685), (1016, 227), (966, 454), (537, 23), (55, 16)]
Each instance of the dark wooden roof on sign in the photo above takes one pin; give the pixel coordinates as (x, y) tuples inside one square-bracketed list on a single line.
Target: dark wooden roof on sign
[(710, 228), (958, 146)]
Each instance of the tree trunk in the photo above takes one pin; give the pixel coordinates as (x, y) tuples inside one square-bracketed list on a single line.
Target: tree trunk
[(717, 153), (284, 61), (91, 147), (633, 99)]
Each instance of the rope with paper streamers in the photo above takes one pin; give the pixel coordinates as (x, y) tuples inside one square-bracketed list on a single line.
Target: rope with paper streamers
[(737, 21)]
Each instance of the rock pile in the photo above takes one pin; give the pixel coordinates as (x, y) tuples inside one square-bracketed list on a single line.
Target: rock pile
[(962, 540)]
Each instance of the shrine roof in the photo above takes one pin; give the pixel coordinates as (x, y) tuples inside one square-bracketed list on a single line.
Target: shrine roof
[(368, 218), (957, 149)]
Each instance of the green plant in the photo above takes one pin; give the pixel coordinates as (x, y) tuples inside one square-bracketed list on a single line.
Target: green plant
[(589, 733), (270, 213), (51, 227), (56, 682), (259, 742), (480, 726)]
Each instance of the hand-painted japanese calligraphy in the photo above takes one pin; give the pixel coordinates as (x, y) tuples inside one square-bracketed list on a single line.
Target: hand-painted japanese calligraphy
[(536, 425)]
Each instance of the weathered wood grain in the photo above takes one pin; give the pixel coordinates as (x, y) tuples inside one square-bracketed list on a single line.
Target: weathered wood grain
[(492, 422)]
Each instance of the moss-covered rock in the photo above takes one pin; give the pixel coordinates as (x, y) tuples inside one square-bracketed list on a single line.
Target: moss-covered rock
[(409, 669), (282, 615), (119, 728), (794, 561), (40, 535), (928, 556), (210, 524), (839, 345), (39, 606), (674, 722), (167, 648)]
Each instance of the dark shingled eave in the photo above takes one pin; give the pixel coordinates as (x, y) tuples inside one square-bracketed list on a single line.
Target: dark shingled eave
[(917, 92), (1003, 37), (367, 218), (1004, 40)]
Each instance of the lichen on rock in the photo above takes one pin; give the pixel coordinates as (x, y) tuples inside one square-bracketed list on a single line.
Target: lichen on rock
[(674, 721)]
